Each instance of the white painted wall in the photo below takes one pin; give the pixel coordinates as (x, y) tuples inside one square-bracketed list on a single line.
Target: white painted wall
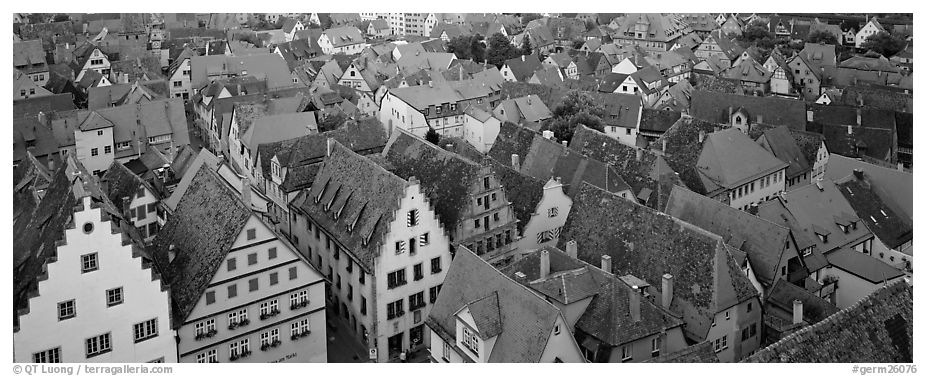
[(739, 199), (481, 135), (540, 221), (98, 139), (143, 299)]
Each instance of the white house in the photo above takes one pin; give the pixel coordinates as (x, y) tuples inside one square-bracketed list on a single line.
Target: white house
[(241, 292), (381, 245), (548, 218), (93, 138), (480, 128), (136, 198), (93, 59), (345, 40), (82, 292), (871, 28)]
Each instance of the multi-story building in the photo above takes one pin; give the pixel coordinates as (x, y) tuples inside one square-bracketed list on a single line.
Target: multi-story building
[(29, 58), (89, 57), (179, 75), (651, 31), (240, 291), (343, 40), (871, 28), (440, 107), (701, 281), (136, 199), (78, 272), (468, 198), (496, 320), (381, 245)]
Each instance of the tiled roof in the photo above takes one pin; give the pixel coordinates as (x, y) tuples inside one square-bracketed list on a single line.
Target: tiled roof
[(663, 27), (816, 210), (763, 241), (877, 143), (607, 316), (201, 231), (863, 266), (645, 177), (894, 187), (747, 70), (648, 244), (729, 158), (888, 226), (683, 153), (366, 195), (784, 147), (46, 104), (344, 36), (776, 212), (658, 120), (187, 173), (50, 33), (445, 176), (119, 182), (715, 107), (486, 315), (526, 319), (869, 63), (874, 97), (523, 67), (877, 329), (784, 293), (524, 191)]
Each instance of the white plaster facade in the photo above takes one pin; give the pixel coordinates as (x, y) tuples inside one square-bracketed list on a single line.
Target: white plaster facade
[(547, 221)]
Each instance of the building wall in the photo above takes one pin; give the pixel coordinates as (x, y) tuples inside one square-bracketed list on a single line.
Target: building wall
[(481, 135), (893, 257), (868, 30), (819, 164), (850, 288), (627, 136), (395, 112), (99, 139), (389, 261), (757, 193), (141, 203), (311, 348), (101, 68), (352, 78), (181, 77), (540, 221), (740, 317), (143, 299), (641, 350), (572, 311), (441, 353), (562, 346), (497, 241)]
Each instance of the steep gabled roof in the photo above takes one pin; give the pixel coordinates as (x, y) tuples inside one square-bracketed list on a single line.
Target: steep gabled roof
[(729, 158), (523, 67), (445, 177), (119, 182), (784, 293), (367, 195), (763, 241), (526, 319), (888, 226), (715, 107), (785, 148), (876, 329), (683, 153), (648, 244)]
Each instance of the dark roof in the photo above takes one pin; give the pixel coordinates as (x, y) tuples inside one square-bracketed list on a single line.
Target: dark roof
[(365, 194), (523, 67), (700, 353), (446, 178), (683, 152), (784, 293), (877, 143), (888, 226), (729, 158), (780, 142), (876, 329), (524, 191), (526, 319), (715, 107), (658, 120), (607, 316), (47, 103), (894, 187), (763, 241), (201, 231), (119, 182), (645, 177), (857, 95), (648, 244), (863, 266)]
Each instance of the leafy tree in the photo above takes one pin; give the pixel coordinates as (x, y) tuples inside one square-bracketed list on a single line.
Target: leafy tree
[(847, 25), (60, 17), (477, 48), (820, 36), (590, 25), (432, 136), (884, 43), (526, 48), (577, 44), (578, 107), (754, 32), (331, 122), (500, 49), (461, 46)]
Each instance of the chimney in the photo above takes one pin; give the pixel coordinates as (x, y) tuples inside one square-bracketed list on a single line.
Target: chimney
[(544, 264), (858, 118), (635, 304), (667, 285), (663, 145), (606, 263), (850, 128), (639, 154), (809, 115), (246, 191), (565, 143), (523, 58), (784, 196), (516, 162), (899, 166), (859, 173), (798, 312), (572, 249), (330, 146), (759, 119), (171, 253), (520, 277), (51, 164), (730, 115), (700, 136), (547, 134)]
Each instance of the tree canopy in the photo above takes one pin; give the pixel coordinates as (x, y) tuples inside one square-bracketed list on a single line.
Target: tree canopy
[(526, 48), (432, 136), (884, 43), (500, 49), (821, 36), (578, 107)]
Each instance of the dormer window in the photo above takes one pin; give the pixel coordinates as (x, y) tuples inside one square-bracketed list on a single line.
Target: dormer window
[(470, 340)]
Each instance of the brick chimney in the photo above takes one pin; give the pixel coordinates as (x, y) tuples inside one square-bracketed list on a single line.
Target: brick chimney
[(859, 173), (700, 136), (663, 146), (639, 154), (565, 143), (798, 312), (668, 283), (635, 303), (330, 142), (606, 263), (516, 162), (544, 264), (572, 249), (520, 277)]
